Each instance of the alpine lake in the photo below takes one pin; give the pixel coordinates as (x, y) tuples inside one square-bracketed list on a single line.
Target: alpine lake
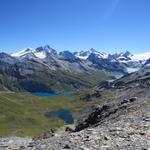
[(63, 114)]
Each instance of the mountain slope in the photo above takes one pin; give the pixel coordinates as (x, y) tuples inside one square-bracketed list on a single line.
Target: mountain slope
[(32, 75), (42, 68)]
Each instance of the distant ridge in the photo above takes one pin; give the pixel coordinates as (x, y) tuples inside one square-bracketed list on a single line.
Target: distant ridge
[(43, 68)]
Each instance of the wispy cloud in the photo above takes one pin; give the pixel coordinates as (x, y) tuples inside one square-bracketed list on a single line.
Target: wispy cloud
[(111, 8)]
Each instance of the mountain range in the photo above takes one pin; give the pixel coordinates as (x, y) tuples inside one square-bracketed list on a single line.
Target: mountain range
[(125, 61), (43, 68)]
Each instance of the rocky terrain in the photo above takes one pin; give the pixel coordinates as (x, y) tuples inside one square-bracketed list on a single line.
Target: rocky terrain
[(12, 143), (121, 122), (124, 124)]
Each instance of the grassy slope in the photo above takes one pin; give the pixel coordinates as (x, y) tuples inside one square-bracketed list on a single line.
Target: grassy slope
[(65, 81), (23, 115), (52, 81)]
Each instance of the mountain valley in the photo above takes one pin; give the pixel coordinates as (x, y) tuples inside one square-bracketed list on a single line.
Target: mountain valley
[(109, 101)]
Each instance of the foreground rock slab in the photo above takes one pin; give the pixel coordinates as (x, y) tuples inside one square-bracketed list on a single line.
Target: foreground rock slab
[(13, 143)]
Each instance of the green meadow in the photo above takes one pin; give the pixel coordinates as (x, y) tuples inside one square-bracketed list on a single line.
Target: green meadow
[(23, 114)]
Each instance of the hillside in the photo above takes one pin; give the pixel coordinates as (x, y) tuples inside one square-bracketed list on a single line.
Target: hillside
[(120, 121)]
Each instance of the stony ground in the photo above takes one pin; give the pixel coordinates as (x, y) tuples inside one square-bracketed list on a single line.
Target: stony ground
[(13, 143)]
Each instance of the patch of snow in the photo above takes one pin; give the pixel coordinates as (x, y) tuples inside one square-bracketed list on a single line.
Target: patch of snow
[(40, 55), (148, 65), (131, 70), (141, 57), (82, 57), (101, 55)]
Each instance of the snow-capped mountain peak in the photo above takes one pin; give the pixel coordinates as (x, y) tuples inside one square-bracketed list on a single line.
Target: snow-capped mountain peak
[(40, 52), (46, 49), (83, 55), (23, 52), (121, 57)]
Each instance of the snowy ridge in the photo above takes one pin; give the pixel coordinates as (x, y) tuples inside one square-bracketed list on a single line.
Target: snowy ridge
[(30, 53), (141, 57), (23, 52), (123, 62), (85, 54), (40, 52)]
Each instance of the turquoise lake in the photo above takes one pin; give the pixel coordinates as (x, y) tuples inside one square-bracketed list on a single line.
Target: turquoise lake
[(52, 94), (61, 113)]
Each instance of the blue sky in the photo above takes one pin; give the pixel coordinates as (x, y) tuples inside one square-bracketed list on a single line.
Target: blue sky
[(106, 25)]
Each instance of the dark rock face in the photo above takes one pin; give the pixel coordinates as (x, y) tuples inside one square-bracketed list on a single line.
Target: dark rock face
[(45, 135), (88, 97), (119, 84), (66, 55), (33, 86), (147, 62), (103, 112), (97, 115), (66, 147), (104, 85), (68, 129), (96, 94), (133, 99)]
